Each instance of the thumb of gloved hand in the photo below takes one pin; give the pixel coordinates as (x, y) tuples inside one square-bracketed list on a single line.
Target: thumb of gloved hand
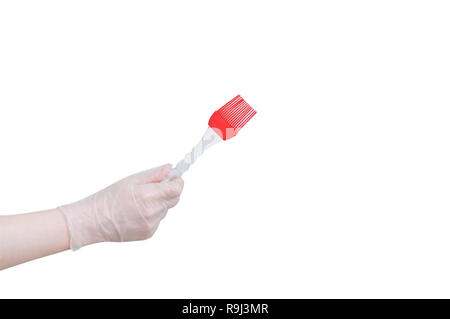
[(130, 209)]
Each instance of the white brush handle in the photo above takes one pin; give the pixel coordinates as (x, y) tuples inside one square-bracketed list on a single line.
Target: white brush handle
[(209, 138)]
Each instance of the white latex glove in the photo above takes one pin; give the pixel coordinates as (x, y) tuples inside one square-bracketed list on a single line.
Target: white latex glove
[(128, 210)]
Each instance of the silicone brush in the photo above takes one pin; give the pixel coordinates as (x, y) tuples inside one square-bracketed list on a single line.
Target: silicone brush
[(224, 124)]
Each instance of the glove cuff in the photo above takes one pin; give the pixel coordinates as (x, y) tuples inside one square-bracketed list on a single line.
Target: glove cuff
[(81, 223)]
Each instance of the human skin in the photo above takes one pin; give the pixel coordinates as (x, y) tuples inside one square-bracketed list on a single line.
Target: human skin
[(25, 237)]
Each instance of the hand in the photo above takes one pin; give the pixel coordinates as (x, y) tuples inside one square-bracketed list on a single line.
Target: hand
[(128, 210)]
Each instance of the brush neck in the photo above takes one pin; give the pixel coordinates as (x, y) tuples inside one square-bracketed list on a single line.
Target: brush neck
[(209, 139)]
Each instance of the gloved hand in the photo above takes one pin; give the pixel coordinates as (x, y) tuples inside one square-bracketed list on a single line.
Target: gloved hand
[(130, 209)]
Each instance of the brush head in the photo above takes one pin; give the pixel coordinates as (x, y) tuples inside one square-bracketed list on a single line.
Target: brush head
[(230, 118)]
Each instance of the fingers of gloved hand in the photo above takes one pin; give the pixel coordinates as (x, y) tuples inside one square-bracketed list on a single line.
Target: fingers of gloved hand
[(172, 202), (144, 232), (154, 175), (172, 188), (165, 190), (169, 204), (153, 209)]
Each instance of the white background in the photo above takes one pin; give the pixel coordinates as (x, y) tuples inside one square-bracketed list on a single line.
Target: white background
[(338, 187)]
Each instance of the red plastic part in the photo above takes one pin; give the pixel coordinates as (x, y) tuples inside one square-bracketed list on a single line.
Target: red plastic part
[(230, 118)]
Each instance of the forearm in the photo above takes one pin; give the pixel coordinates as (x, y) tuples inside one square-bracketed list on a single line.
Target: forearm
[(30, 236)]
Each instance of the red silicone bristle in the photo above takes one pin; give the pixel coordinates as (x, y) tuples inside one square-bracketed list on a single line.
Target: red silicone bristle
[(230, 118), (237, 112)]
